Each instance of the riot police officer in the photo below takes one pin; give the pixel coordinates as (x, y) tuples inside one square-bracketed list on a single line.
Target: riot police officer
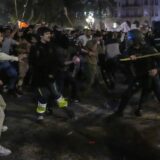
[(145, 74)]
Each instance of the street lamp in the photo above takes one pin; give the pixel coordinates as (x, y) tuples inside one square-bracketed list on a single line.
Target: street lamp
[(115, 25), (90, 20)]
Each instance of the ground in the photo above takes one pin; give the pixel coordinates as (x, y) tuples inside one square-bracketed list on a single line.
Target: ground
[(94, 135)]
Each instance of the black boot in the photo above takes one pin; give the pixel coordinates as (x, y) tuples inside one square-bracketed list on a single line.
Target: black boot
[(138, 113), (117, 114)]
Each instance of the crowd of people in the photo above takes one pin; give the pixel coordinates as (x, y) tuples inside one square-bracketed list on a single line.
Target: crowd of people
[(61, 66)]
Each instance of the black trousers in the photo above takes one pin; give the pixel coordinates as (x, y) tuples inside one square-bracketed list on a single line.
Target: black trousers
[(146, 84), (65, 77)]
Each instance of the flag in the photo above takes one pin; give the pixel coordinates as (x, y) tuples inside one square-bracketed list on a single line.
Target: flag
[(22, 24)]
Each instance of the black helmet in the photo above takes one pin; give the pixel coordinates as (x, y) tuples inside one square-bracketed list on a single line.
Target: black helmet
[(135, 37)]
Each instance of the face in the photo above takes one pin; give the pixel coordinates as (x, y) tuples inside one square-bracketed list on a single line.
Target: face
[(1, 37), (46, 37)]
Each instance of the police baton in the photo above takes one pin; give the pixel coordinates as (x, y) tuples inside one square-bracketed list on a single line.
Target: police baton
[(140, 57)]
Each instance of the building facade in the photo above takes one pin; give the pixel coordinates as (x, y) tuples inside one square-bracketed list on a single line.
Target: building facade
[(138, 10)]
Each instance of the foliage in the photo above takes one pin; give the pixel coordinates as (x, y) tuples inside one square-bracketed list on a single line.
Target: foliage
[(48, 10)]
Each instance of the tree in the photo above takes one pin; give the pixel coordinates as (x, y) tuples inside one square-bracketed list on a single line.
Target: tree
[(49, 10)]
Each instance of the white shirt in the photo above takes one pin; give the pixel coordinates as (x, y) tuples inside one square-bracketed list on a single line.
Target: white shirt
[(84, 39)]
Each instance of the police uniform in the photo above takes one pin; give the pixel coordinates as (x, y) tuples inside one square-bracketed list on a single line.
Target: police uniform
[(140, 70)]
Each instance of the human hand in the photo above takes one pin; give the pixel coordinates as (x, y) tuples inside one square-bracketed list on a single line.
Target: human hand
[(153, 72), (133, 57), (1, 82), (76, 60), (21, 57)]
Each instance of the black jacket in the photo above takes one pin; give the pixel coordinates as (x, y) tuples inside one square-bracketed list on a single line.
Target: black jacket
[(142, 66), (42, 63)]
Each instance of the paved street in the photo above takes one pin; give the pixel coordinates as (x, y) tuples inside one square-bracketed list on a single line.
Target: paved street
[(94, 135)]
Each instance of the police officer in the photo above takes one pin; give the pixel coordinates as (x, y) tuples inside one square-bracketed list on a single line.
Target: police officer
[(144, 72)]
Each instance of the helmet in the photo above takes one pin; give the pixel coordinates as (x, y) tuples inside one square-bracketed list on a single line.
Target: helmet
[(135, 37)]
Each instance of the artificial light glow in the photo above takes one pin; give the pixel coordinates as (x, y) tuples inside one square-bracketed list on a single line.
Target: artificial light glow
[(115, 25), (91, 14), (86, 27), (90, 19)]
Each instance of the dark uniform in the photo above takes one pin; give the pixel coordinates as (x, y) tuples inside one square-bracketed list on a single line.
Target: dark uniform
[(141, 78)]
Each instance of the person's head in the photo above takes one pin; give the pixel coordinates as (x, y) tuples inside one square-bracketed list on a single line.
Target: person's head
[(88, 32), (97, 36), (137, 24), (135, 38), (44, 34)]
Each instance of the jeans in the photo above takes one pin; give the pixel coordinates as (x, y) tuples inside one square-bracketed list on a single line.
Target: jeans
[(11, 72)]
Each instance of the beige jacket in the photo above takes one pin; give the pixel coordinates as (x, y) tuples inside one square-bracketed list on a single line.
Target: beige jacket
[(6, 57)]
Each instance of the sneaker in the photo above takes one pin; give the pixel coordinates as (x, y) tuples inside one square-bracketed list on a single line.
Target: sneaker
[(62, 102), (40, 118), (4, 128), (4, 151)]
